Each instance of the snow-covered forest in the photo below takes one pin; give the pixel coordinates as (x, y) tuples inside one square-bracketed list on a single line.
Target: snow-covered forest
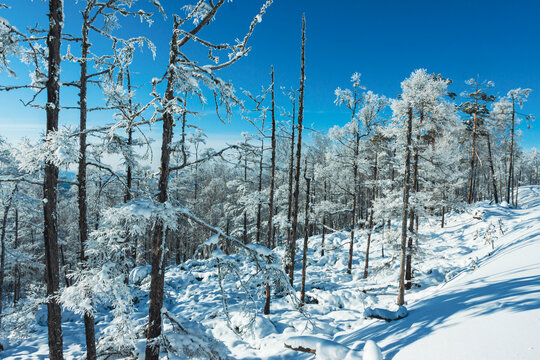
[(352, 243)]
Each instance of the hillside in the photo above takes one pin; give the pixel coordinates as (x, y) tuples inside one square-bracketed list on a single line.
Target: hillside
[(475, 296)]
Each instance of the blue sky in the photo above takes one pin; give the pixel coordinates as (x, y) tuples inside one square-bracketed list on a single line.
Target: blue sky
[(384, 40)]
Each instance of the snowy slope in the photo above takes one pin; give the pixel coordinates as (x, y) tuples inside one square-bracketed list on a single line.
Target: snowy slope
[(469, 301), (492, 312)]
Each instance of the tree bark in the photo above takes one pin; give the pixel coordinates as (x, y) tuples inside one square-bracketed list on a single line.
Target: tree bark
[(412, 218), (473, 151), (16, 272), (517, 187), (245, 233), (492, 170), (129, 173), (291, 177), (157, 276), (50, 183), (509, 191), (271, 200), (259, 205), (370, 225), (81, 177), (298, 153), (304, 253), (406, 180), (443, 210), (353, 215), (323, 223)]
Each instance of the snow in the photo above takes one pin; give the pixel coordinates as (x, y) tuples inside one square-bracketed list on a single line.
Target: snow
[(324, 349), (385, 314), (492, 312), (471, 298), (372, 351), (137, 275)]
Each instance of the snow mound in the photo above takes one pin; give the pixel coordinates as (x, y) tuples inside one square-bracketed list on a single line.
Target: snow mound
[(384, 314), (372, 351), (137, 275), (322, 348)]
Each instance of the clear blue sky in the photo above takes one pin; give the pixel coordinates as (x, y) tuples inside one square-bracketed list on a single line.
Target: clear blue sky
[(384, 40)]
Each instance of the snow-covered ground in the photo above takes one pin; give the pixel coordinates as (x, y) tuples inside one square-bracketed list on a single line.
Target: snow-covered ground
[(476, 295)]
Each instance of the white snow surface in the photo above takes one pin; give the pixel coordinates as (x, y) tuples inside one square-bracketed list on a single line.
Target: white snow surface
[(468, 301)]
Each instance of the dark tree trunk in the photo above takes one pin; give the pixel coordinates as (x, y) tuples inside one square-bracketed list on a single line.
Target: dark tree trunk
[(291, 177), (492, 170), (443, 209), (129, 172), (304, 253), (323, 223), (473, 151), (16, 272), (129, 176), (50, 183), (259, 206), (366, 263), (271, 200), (245, 233), (184, 123), (509, 191), (412, 218), (355, 189), (178, 250), (157, 276), (81, 177), (298, 154), (353, 220), (406, 180), (517, 188)]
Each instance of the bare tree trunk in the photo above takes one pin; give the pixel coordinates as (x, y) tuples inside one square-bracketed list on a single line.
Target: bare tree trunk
[(245, 233), (323, 223), (271, 200), (304, 253), (517, 188), (473, 151), (129, 173), (370, 225), (50, 183), (353, 214), (259, 205), (443, 209), (298, 153), (406, 180), (184, 123), (16, 272), (81, 177), (157, 276), (291, 177), (492, 170), (408, 268), (356, 189), (511, 161)]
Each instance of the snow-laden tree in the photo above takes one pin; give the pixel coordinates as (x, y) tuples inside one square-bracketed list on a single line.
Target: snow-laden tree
[(185, 75), (476, 107), (420, 116), (364, 108)]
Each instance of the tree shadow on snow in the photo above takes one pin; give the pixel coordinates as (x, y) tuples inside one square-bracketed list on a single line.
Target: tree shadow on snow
[(482, 299)]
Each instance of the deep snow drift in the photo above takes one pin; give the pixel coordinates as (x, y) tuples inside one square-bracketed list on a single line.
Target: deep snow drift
[(476, 295)]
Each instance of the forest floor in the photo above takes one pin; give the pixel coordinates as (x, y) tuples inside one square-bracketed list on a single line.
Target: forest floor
[(475, 295)]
